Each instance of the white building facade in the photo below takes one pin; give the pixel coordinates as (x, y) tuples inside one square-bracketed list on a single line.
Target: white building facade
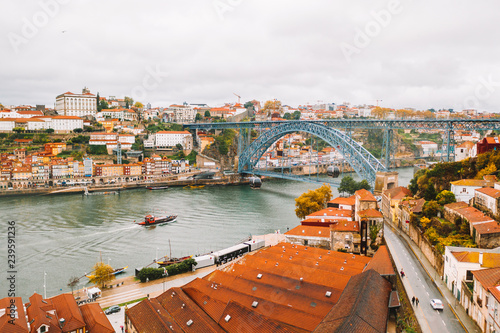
[(70, 104), (166, 139)]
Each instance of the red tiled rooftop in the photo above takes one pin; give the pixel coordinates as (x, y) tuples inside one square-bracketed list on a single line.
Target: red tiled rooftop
[(351, 201), (95, 319), (491, 192), (345, 226), (381, 262), (370, 213), (365, 195), (309, 231), (397, 192), (266, 307)]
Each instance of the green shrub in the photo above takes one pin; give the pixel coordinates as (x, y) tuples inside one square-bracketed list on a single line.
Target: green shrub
[(150, 273)]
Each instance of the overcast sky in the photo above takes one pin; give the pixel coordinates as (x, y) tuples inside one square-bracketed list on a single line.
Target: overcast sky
[(421, 54)]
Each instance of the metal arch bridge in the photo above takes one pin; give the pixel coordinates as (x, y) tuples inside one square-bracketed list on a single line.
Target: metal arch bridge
[(364, 163), (448, 126)]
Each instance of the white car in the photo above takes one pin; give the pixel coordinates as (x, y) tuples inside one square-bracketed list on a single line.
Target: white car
[(437, 304)]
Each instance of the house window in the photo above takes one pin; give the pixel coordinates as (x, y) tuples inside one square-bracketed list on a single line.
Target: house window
[(469, 276), (464, 190), (306, 242)]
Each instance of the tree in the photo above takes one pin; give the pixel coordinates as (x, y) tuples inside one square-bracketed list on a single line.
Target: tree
[(347, 185), (179, 147), (139, 105), (73, 282), (98, 100), (103, 105), (207, 114), (491, 168), (445, 197), (78, 130), (296, 115), (379, 112), (198, 117), (312, 201), (248, 104), (430, 192), (18, 129), (364, 185), (430, 209), (128, 102), (102, 273), (271, 107), (49, 130), (287, 116)]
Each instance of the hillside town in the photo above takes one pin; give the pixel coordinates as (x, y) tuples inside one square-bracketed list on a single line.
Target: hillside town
[(79, 141)]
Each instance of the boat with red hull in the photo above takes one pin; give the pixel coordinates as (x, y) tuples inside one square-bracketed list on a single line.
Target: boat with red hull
[(153, 220)]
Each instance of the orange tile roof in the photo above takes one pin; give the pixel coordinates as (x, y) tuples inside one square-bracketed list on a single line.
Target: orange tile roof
[(397, 192), (345, 226), (334, 212), (67, 308), (266, 307), (150, 316), (487, 228), (183, 309), (351, 201), (370, 213), (297, 271), (37, 314), (304, 288), (309, 231), (309, 263), (240, 316), (488, 277), (365, 195), (173, 132), (260, 290), (491, 192), (469, 182), (327, 256), (381, 262), (456, 205), (95, 319), (363, 306), (20, 325)]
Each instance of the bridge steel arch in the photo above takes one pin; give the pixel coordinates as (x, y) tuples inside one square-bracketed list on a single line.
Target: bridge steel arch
[(362, 161)]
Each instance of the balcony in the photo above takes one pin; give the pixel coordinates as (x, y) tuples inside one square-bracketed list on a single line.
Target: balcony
[(479, 301)]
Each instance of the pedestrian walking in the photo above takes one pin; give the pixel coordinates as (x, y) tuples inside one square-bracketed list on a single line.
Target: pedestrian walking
[(402, 273), (416, 301), (413, 300)]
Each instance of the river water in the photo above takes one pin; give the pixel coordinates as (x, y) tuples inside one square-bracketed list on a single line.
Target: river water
[(64, 236)]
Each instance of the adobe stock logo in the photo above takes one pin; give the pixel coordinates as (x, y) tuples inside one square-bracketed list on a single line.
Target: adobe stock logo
[(482, 91), (150, 82), (30, 28), (363, 37), (223, 6)]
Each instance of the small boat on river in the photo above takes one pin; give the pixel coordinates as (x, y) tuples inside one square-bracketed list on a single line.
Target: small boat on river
[(115, 272), (152, 220), (172, 261), (157, 187)]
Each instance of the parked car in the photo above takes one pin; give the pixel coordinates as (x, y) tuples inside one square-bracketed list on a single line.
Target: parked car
[(112, 309), (437, 304)]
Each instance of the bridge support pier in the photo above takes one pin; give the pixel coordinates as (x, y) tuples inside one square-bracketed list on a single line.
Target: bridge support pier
[(387, 147)]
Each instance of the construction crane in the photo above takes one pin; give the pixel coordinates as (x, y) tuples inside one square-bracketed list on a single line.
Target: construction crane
[(239, 97)]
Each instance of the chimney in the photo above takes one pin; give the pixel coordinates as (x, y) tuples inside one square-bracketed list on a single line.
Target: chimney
[(481, 258)]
